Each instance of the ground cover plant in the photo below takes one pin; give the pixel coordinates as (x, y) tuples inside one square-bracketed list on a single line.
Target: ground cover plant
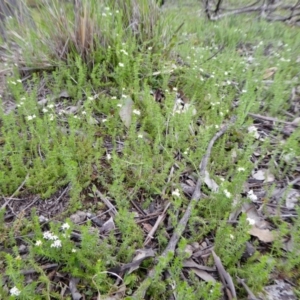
[(148, 153)]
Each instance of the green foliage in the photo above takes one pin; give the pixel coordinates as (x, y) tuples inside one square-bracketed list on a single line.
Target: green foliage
[(230, 242), (100, 56)]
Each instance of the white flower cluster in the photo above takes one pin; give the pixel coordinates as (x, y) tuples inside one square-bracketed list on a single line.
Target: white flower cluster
[(15, 291), (176, 193), (50, 236)]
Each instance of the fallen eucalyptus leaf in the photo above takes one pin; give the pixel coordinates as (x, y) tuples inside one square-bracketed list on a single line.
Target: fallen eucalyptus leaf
[(203, 275), (264, 235), (269, 72), (264, 174)]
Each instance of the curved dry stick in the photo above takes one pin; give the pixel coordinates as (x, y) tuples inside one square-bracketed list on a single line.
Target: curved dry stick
[(141, 291)]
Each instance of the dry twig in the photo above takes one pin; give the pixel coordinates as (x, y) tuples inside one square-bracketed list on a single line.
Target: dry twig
[(265, 9), (154, 228)]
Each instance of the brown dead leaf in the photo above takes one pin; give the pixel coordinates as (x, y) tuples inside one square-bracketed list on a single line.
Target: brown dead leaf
[(264, 235), (253, 217), (264, 175), (269, 73)]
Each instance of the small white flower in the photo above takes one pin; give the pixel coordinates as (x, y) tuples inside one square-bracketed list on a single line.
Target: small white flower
[(221, 114), (65, 226), (106, 8), (117, 11), (45, 110), (51, 117), (104, 120), (29, 118), (227, 193), (113, 97), (124, 96), (104, 14), (19, 80), (175, 89), (119, 105), (56, 244), (231, 236), (186, 151), (251, 221), (108, 156), (84, 112), (176, 193), (22, 99), (74, 250), (252, 196), (15, 291), (13, 82), (48, 235), (240, 169), (53, 237), (136, 112), (150, 48), (140, 136), (121, 65), (225, 73), (38, 243), (217, 126), (50, 105)]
